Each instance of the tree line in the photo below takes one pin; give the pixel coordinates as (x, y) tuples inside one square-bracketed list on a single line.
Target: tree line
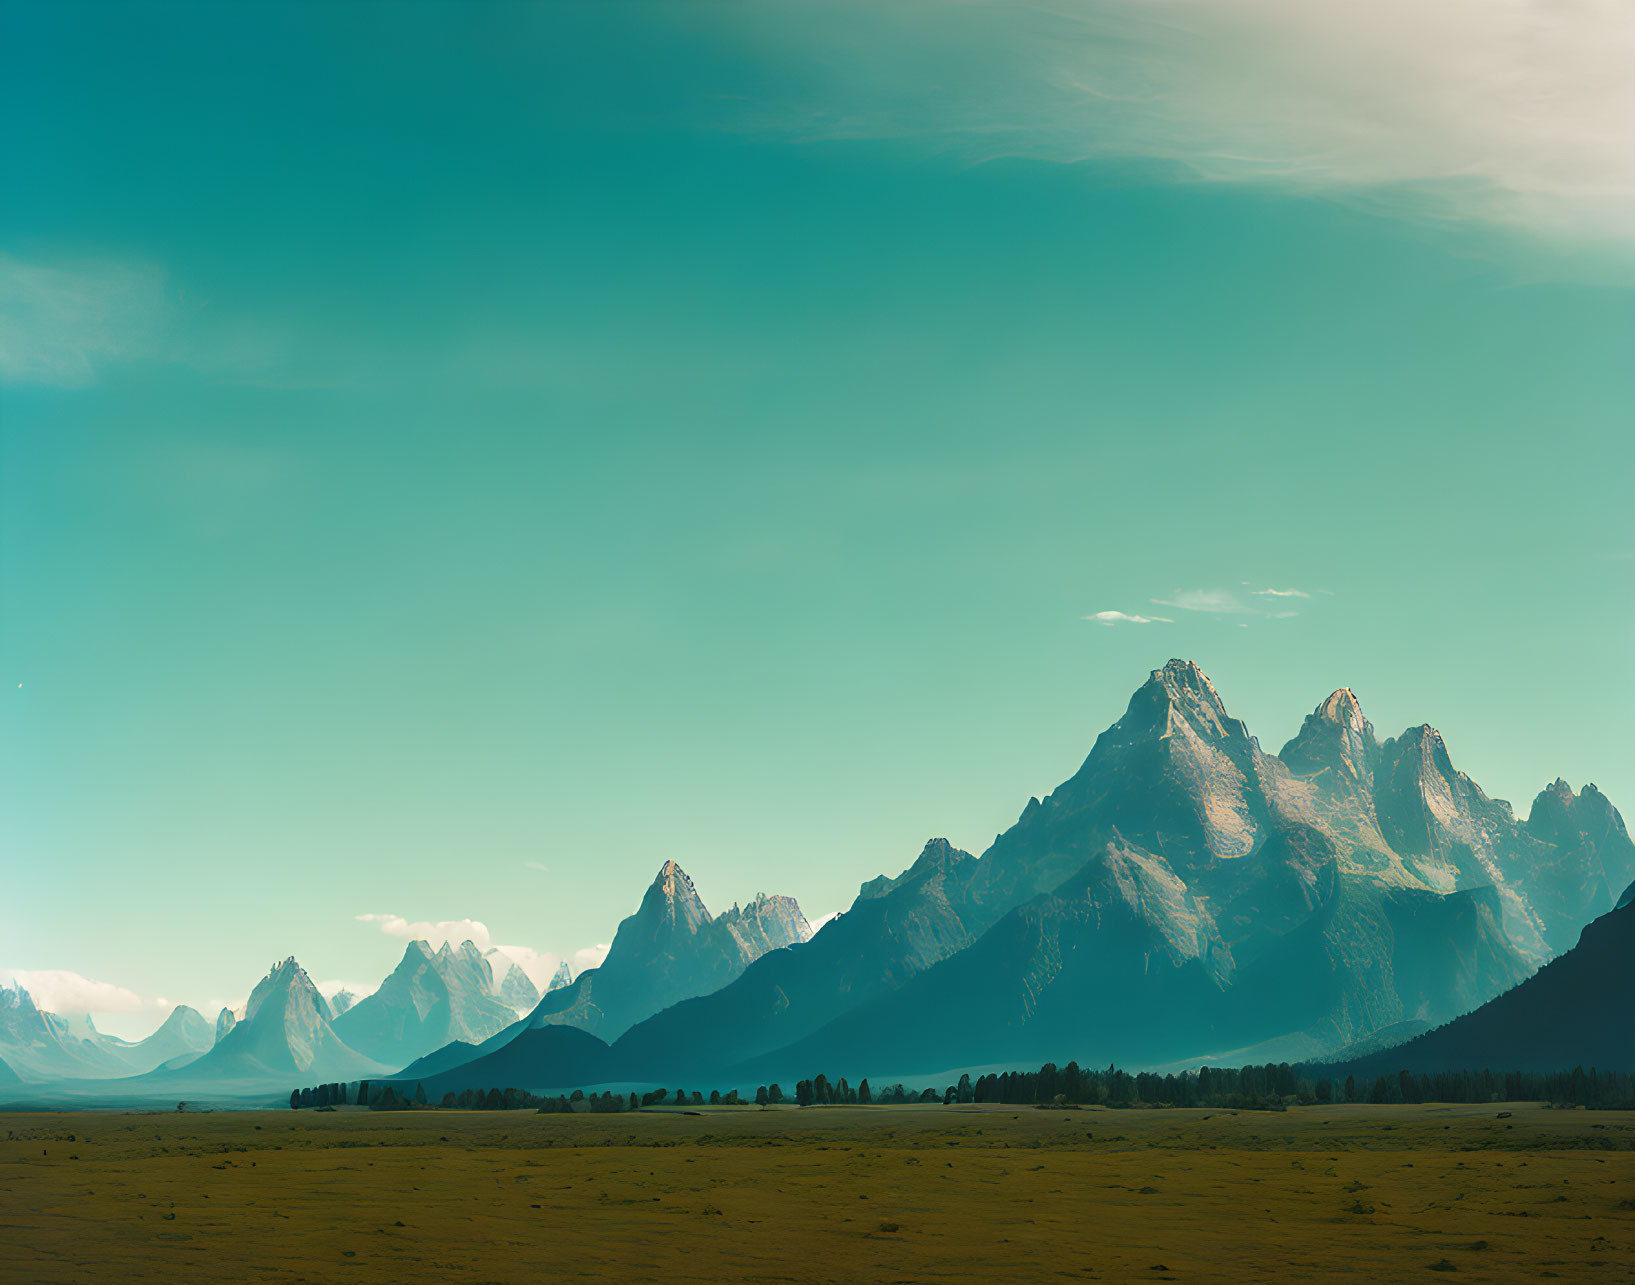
[(1272, 1086)]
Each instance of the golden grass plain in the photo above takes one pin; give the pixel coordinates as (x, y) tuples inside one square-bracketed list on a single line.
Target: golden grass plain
[(917, 1193)]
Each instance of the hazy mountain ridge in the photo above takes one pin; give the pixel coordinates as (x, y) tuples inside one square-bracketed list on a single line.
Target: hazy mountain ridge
[(429, 999), (43, 1046)]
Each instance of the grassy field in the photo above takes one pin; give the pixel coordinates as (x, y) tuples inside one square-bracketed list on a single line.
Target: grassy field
[(919, 1193)]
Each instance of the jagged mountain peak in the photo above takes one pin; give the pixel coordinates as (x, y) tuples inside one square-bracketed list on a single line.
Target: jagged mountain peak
[(1180, 698), (1342, 707), (284, 977), (937, 856), (673, 901), (1335, 744), (562, 977)]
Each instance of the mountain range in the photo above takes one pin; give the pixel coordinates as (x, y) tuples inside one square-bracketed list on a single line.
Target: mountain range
[(446, 999), (1183, 895), (49, 1046)]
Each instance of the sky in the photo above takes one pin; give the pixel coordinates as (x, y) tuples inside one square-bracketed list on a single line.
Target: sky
[(455, 458)]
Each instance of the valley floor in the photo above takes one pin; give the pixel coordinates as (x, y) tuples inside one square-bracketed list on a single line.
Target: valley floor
[(919, 1193)]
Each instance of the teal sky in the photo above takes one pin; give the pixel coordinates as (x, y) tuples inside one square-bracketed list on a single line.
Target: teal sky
[(454, 459)]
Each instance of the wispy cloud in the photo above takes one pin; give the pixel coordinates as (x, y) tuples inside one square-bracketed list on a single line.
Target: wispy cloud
[(67, 322), (1508, 111), (1227, 602), (1121, 618), (536, 865), (1218, 602), (57, 990), (61, 324)]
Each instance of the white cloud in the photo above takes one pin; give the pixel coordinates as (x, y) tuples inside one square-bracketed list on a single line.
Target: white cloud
[(61, 324), (1515, 112), (1281, 593), (435, 934), (1119, 618), (537, 865), (56, 990)]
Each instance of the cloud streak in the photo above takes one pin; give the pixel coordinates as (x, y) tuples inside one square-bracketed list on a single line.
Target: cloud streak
[(1226, 602), (61, 324), (1218, 602), (1513, 112)]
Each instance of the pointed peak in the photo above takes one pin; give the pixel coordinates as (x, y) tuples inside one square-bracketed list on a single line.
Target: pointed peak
[(1184, 678), (419, 948), (1180, 683), (937, 854), (674, 882), (1343, 708)]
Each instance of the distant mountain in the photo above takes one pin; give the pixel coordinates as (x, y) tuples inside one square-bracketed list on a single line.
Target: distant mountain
[(184, 1035), (562, 977), (431, 998), (1578, 1010), (49, 1046), (225, 1021), (340, 1001), (42, 1046), (517, 990), (671, 949), (1183, 894), (286, 1034), (1587, 857)]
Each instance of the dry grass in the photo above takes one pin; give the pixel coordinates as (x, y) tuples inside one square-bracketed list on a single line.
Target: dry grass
[(866, 1194)]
